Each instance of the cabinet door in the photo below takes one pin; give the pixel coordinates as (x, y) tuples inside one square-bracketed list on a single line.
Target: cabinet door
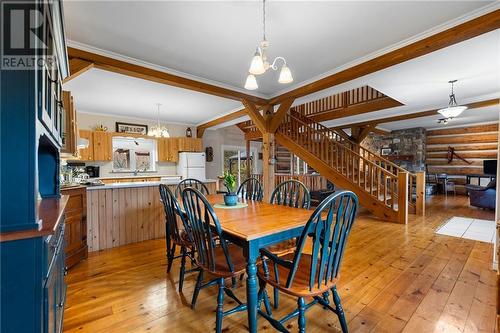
[(173, 149), (69, 131), (87, 154), (183, 144), (197, 145), (102, 146), (162, 147)]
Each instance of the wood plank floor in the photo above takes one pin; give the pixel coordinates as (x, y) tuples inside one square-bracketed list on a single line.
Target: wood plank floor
[(394, 278)]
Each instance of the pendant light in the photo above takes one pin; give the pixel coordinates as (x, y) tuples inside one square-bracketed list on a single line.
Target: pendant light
[(453, 110), (158, 130), (259, 64)]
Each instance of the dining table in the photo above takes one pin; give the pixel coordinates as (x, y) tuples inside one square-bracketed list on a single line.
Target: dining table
[(253, 227)]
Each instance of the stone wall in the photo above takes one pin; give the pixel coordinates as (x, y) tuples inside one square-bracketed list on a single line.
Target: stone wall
[(404, 147)]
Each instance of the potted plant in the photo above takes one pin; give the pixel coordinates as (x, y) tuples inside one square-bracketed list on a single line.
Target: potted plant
[(230, 198)]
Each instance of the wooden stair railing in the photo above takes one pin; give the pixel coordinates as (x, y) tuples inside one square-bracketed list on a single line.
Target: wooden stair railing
[(328, 153)]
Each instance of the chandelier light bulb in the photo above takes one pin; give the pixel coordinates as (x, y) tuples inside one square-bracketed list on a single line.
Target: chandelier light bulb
[(251, 82), (285, 75), (257, 64)]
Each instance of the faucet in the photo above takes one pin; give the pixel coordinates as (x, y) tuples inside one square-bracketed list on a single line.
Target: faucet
[(136, 171)]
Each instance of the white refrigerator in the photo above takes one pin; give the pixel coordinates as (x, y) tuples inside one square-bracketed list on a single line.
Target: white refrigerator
[(191, 165)]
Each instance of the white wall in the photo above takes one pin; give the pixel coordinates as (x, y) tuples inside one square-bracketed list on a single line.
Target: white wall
[(228, 136)]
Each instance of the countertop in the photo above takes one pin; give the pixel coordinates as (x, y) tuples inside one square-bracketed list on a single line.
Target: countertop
[(50, 212), (141, 184), (139, 175)]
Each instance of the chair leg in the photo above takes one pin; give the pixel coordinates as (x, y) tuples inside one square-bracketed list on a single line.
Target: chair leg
[(340, 310), (302, 314), (220, 307), (276, 298), (197, 287), (171, 258), (263, 297), (183, 268)]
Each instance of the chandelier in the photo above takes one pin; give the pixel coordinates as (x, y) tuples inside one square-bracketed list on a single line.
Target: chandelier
[(453, 110), (158, 130), (260, 64)]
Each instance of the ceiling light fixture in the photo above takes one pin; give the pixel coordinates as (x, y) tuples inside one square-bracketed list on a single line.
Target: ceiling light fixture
[(260, 65), (453, 110), (158, 130), (443, 121)]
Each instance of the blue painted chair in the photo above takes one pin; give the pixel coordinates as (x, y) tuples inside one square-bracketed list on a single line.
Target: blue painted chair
[(251, 189), (314, 275), (214, 254), (191, 182), (292, 193), (174, 235)]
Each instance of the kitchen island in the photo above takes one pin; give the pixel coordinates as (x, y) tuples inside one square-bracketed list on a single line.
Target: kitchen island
[(127, 212)]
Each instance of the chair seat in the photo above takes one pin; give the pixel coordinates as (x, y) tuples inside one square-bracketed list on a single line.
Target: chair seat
[(221, 267), (300, 285), (283, 248)]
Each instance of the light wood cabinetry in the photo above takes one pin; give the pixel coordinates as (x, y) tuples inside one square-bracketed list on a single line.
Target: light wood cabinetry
[(103, 146), (76, 225), (87, 154), (168, 149), (190, 144), (70, 134)]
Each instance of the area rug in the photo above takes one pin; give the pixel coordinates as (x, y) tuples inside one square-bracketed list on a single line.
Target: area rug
[(469, 228)]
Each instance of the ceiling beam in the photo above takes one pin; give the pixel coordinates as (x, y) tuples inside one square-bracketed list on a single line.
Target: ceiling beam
[(357, 109), (476, 105), (200, 129), (451, 36), (255, 115), (280, 114), (126, 68), (77, 67)]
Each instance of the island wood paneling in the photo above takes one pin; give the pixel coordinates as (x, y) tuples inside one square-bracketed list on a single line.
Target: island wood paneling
[(474, 143)]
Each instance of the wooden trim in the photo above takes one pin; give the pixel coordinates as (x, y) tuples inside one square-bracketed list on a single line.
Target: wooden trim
[(77, 67), (476, 138), (451, 36), (126, 68), (228, 117), (367, 107), (403, 197), (255, 115), (280, 114), (420, 193), (464, 130)]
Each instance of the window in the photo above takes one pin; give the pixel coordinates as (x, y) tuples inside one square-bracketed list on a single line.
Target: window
[(130, 154), (234, 160)]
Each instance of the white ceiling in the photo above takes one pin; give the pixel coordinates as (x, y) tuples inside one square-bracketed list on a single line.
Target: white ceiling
[(100, 91), (215, 41)]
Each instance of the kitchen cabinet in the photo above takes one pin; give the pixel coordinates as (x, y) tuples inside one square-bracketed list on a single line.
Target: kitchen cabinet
[(190, 144), (76, 225), (69, 132), (87, 154), (168, 150), (103, 146)]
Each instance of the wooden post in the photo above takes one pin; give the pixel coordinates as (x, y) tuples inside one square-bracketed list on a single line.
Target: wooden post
[(420, 189), (248, 162), (267, 168), (402, 197)]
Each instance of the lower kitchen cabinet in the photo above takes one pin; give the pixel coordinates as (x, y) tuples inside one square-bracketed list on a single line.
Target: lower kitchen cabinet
[(76, 225)]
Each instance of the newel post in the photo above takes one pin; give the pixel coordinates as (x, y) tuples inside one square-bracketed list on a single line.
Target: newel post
[(403, 197), (420, 189)]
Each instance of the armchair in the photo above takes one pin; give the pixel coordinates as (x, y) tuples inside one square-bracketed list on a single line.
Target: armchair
[(482, 197)]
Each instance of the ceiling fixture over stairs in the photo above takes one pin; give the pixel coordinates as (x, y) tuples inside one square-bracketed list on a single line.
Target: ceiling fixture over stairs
[(260, 64), (158, 130), (453, 110)]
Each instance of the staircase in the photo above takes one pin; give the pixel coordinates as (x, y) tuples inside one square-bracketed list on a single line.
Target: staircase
[(383, 187)]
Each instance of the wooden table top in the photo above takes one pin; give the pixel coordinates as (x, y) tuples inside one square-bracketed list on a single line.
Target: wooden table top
[(258, 219)]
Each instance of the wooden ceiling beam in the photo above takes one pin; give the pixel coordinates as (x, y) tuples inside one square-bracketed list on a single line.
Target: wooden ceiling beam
[(476, 105), (228, 117), (280, 114), (77, 67), (451, 36), (126, 68)]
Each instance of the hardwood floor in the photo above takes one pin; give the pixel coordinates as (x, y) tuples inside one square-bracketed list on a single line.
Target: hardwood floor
[(394, 278)]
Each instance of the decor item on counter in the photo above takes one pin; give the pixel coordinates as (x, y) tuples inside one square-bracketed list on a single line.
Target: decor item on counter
[(209, 153), (260, 65), (131, 128), (189, 133), (385, 151), (453, 110), (230, 198), (100, 128), (158, 130)]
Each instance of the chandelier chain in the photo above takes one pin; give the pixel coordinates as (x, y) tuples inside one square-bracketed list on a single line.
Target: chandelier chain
[(264, 19)]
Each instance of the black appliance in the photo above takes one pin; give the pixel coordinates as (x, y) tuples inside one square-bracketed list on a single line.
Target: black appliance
[(92, 171), (490, 167)]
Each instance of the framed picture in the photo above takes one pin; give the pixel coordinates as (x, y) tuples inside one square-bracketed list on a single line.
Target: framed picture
[(385, 151), (131, 128)]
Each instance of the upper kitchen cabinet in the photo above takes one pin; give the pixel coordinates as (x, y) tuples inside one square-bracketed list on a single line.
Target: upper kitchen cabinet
[(190, 144), (168, 150), (69, 132), (103, 146), (87, 154)]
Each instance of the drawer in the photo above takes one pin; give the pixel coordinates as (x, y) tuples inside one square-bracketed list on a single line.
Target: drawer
[(54, 244)]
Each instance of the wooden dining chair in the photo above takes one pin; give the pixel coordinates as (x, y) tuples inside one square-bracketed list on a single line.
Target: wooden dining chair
[(191, 182), (292, 193), (176, 236), (251, 189), (214, 254), (314, 275)]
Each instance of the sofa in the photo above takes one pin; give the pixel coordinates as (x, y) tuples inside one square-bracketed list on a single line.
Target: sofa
[(482, 196)]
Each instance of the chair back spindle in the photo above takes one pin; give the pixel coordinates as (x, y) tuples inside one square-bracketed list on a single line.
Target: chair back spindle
[(291, 193), (251, 189), (172, 210), (191, 182)]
